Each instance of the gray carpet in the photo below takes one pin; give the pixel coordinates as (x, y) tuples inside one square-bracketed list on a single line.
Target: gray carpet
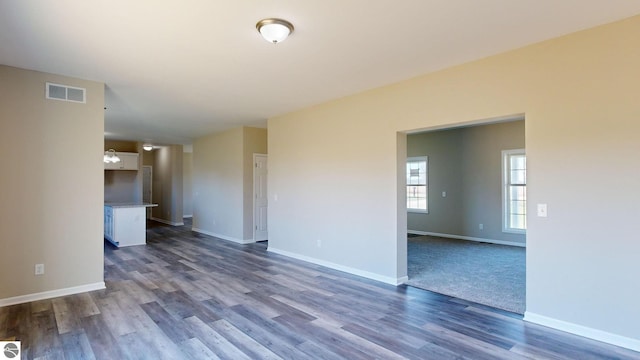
[(488, 274)]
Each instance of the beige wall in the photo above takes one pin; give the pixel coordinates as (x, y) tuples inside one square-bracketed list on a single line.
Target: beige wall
[(466, 163), (148, 157), (51, 208), (122, 186), (223, 180), (218, 185), (334, 170), (121, 146), (167, 184), (187, 181)]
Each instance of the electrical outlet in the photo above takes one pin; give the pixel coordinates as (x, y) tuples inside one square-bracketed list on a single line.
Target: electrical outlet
[(39, 269), (319, 243), (481, 226)]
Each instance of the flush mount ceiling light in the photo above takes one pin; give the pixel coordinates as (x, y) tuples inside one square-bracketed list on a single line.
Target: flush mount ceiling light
[(110, 156), (147, 147), (274, 30)]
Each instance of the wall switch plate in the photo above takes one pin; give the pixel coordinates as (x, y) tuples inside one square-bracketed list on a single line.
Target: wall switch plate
[(542, 210), (444, 194), (481, 226), (39, 269)]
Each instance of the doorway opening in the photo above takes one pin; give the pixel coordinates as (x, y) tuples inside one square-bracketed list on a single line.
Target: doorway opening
[(457, 242)]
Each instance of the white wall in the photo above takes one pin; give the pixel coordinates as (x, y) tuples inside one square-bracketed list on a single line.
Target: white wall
[(51, 203), (334, 172)]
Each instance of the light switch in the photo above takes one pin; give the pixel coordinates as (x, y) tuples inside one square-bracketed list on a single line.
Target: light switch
[(542, 210), (39, 269), (444, 194)]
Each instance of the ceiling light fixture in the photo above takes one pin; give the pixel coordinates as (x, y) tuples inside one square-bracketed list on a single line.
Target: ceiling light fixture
[(147, 147), (110, 156), (274, 30)]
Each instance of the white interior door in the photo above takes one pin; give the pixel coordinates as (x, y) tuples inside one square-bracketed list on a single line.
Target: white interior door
[(147, 178), (260, 199)]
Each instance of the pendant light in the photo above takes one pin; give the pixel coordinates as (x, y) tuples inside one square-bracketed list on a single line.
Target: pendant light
[(110, 156)]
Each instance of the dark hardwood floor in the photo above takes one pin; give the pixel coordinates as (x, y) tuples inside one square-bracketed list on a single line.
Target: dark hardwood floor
[(190, 296)]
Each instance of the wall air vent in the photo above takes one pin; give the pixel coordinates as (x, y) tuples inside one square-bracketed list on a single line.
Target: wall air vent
[(66, 93)]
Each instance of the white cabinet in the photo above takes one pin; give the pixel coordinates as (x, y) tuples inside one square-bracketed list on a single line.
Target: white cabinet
[(108, 223), (125, 225), (128, 161)]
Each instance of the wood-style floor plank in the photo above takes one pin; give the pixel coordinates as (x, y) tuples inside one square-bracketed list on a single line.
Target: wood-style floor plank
[(195, 349), (103, 344), (213, 340), (190, 296), (333, 346), (76, 346), (244, 341)]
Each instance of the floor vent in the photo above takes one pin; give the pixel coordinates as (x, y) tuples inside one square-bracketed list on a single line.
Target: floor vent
[(66, 93)]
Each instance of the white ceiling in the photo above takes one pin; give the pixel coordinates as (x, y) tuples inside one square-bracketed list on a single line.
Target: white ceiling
[(177, 70)]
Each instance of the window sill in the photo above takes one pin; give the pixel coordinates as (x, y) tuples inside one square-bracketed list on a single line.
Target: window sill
[(417, 211), (514, 231)]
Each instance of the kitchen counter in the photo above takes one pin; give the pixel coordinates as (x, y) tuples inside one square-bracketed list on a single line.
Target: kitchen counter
[(127, 205), (125, 224)]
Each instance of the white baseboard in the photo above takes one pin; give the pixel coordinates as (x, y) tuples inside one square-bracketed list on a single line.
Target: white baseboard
[(51, 294), (469, 238), (167, 222), (595, 334), (223, 237), (347, 269)]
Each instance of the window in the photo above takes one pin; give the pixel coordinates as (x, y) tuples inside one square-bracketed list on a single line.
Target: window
[(514, 193), (417, 194)]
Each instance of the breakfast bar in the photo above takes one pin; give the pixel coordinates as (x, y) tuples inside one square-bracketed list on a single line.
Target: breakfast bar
[(125, 224)]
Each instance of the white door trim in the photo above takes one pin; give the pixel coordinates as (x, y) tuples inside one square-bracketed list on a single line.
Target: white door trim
[(255, 204), (148, 211)]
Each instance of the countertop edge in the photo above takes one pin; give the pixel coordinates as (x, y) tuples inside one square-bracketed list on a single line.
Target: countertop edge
[(129, 205)]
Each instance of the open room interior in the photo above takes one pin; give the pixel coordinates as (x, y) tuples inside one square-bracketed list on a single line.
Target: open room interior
[(460, 174), (335, 108)]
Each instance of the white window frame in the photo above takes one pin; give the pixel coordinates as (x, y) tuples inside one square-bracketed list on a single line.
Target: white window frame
[(506, 199), (426, 184)]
